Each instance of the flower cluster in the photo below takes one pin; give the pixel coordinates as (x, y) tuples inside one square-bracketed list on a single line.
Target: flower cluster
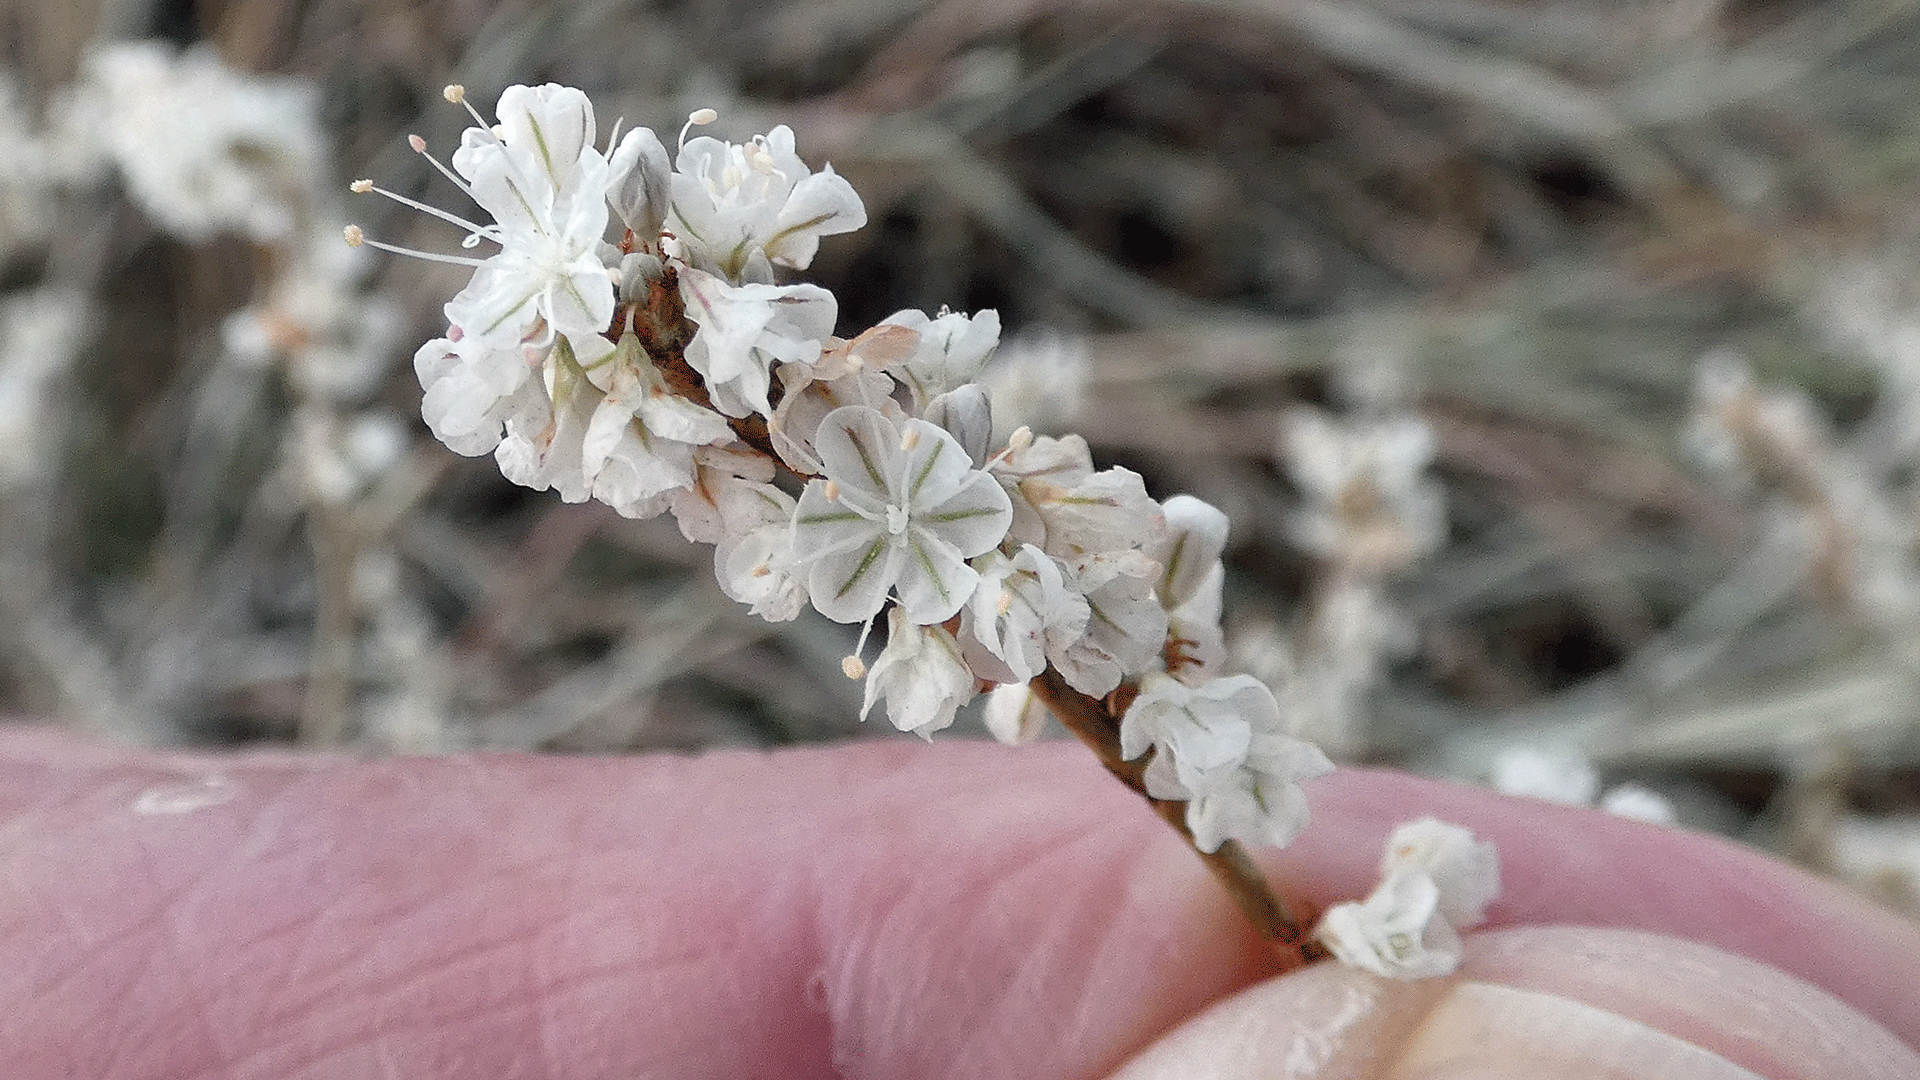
[(1435, 881), (669, 371)]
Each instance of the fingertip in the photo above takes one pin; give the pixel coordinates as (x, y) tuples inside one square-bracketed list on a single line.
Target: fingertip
[(1539, 1002)]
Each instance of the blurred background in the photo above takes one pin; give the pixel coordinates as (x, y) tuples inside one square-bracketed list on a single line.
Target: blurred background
[(1557, 362)]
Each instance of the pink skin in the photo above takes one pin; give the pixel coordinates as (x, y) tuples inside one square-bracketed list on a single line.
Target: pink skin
[(881, 910)]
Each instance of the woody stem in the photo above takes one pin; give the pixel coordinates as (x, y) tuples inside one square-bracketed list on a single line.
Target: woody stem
[(1097, 724)]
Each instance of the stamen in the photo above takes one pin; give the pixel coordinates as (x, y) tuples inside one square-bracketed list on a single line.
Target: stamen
[(853, 667), (356, 238), (909, 439), (485, 231), (420, 147), (1005, 603), (696, 118), (831, 490), (458, 95)]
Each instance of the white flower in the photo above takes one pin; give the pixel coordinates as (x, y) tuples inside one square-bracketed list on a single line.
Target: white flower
[(206, 149), (843, 375), (1261, 801), (698, 507), (1021, 607), (545, 186), (740, 205), (953, 348), (1126, 627), (543, 449), (471, 389), (901, 509), (745, 330), (1398, 931), (639, 443), (638, 182), (1369, 501), (1202, 729), (753, 560), (1465, 870), (1013, 714), (1435, 880), (920, 675)]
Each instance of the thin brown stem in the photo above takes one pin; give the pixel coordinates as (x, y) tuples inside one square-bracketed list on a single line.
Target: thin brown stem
[(1097, 724)]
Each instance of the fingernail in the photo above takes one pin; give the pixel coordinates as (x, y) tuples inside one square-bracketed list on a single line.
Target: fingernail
[(1491, 1032)]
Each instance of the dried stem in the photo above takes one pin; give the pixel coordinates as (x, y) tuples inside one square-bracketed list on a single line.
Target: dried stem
[(1097, 724)]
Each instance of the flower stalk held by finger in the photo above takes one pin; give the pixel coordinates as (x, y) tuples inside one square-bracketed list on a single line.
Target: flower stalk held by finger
[(627, 340)]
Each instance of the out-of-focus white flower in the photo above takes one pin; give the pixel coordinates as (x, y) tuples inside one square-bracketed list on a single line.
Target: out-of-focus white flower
[(1538, 773), (205, 149), (1038, 381), (901, 510), (1640, 803), (953, 348), (1464, 869), (1021, 608), (1368, 500), (745, 330), (1013, 714), (739, 206), (1397, 932), (920, 675)]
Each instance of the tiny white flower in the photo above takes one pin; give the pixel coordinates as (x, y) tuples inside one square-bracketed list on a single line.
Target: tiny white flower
[(745, 330), (1397, 932), (1202, 729), (735, 204), (1465, 870), (901, 510), (640, 441), (544, 450), (545, 186), (953, 348), (753, 559), (472, 389), (1261, 801), (1014, 715), (920, 675), (1126, 627), (1021, 606)]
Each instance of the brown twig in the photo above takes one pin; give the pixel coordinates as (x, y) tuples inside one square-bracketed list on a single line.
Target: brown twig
[(1097, 724)]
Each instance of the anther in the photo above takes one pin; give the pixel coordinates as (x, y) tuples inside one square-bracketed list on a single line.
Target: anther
[(909, 438), (854, 667), (831, 490), (354, 236), (360, 187), (455, 93)]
